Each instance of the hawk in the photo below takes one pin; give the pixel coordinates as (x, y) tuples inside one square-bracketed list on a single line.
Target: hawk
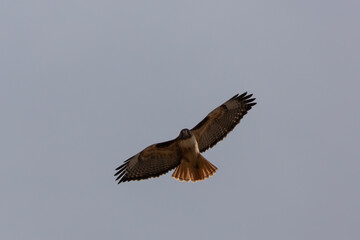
[(184, 152)]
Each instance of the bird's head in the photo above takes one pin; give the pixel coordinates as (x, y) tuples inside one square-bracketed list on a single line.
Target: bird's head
[(185, 133)]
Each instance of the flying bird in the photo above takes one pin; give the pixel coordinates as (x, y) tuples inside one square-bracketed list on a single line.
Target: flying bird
[(184, 152)]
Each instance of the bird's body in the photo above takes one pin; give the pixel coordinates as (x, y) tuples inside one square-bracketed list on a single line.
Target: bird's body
[(184, 152), (189, 148), (193, 166)]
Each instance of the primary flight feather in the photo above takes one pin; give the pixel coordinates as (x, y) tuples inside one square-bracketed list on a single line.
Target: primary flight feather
[(184, 152)]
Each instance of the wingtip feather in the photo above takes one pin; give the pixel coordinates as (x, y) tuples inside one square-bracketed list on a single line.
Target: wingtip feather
[(242, 95)]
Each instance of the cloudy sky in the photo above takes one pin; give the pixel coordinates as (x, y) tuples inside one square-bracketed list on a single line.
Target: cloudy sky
[(86, 84)]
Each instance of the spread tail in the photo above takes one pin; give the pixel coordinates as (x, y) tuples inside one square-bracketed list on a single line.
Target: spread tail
[(194, 171)]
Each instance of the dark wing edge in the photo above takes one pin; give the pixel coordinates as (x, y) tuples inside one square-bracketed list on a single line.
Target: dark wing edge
[(222, 120), (121, 170), (158, 167)]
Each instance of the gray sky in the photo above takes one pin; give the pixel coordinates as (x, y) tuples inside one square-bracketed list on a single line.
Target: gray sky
[(86, 84)]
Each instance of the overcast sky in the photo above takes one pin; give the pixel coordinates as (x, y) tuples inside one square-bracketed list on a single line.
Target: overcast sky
[(84, 85)]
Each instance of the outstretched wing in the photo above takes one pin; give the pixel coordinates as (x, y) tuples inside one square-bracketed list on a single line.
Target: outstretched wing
[(153, 161), (218, 123)]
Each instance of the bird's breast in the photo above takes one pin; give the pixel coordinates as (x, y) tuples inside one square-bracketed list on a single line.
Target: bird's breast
[(189, 145)]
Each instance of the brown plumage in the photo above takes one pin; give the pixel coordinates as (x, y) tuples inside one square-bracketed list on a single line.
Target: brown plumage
[(184, 152)]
